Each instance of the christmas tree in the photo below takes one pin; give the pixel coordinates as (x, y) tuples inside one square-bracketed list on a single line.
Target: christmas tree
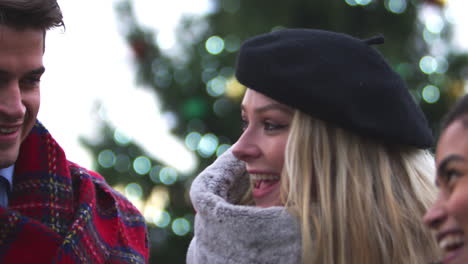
[(195, 85)]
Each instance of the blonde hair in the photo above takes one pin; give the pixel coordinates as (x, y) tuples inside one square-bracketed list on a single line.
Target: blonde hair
[(358, 201)]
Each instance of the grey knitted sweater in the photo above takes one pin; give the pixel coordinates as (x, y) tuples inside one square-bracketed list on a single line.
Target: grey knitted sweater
[(228, 233)]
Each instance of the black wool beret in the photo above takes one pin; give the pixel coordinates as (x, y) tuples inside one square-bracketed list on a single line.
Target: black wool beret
[(336, 78)]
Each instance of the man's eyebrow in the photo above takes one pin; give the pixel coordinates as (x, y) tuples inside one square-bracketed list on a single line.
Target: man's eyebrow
[(37, 71), (446, 161)]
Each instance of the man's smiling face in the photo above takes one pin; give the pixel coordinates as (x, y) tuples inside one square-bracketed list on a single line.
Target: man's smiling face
[(21, 68)]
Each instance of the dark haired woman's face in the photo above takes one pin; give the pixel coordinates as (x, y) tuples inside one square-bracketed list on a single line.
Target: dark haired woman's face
[(262, 145), (448, 217)]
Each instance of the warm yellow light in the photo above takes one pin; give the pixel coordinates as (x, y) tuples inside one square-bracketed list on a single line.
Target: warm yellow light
[(120, 188), (457, 88), (155, 205), (234, 89), (159, 198), (137, 202)]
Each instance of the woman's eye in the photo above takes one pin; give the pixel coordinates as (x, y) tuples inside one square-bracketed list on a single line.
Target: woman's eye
[(451, 176), (272, 126), (244, 124)]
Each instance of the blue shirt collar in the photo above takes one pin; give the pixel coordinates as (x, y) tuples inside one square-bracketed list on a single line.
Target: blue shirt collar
[(7, 173)]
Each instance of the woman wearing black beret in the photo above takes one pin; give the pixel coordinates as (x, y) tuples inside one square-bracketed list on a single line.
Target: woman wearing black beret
[(332, 155)]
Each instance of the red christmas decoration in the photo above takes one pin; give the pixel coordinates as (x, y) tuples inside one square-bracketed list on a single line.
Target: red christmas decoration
[(139, 48)]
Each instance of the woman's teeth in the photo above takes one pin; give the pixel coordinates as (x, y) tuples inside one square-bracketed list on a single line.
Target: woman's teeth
[(451, 242), (264, 177)]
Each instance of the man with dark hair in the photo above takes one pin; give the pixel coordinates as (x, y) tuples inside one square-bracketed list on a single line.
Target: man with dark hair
[(51, 210)]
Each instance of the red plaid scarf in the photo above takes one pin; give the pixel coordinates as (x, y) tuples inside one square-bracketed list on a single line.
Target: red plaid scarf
[(60, 212)]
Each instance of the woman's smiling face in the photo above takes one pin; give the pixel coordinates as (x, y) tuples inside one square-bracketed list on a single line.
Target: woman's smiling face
[(448, 217), (262, 144)]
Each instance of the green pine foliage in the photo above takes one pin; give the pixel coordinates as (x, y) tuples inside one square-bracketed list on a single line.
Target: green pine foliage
[(195, 86)]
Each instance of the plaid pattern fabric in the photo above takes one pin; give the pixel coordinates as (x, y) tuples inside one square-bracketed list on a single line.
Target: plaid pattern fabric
[(60, 212)]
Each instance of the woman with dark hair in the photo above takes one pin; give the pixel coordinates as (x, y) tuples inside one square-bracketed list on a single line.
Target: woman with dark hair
[(333, 156), (448, 216)]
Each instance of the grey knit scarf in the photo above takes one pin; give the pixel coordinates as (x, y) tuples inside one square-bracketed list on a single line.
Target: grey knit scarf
[(228, 233)]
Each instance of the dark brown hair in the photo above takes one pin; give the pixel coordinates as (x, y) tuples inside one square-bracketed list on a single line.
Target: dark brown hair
[(458, 112), (36, 14)]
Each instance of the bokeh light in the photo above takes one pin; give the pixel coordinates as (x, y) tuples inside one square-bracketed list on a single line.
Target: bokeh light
[(106, 158), (232, 43), (363, 2), (195, 107), (214, 45), (121, 138), (208, 74), (442, 65), (154, 174), (159, 197), (221, 149), (122, 163), (181, 226), (358, 2), (227, 72), (133, 191), (222, 107), (142, 165), (151, 213), (162, 219), (168, 176), (161, 74), (431, 94), (351, 2), (216, 86), (208, 145), (404, 69), (234, 89), (192, 140), (428, 64), (430, 37), (396, 6), (435, 24), (156, 203)]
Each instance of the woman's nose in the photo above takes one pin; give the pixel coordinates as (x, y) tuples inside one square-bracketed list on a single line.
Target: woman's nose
[(436, 215), (246, 148)]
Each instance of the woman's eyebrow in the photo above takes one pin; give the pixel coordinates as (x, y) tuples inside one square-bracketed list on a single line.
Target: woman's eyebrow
[(446, 161), (273, 106), (268, 107)]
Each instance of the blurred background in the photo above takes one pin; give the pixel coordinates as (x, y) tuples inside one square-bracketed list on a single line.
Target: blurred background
[(143, 91)]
